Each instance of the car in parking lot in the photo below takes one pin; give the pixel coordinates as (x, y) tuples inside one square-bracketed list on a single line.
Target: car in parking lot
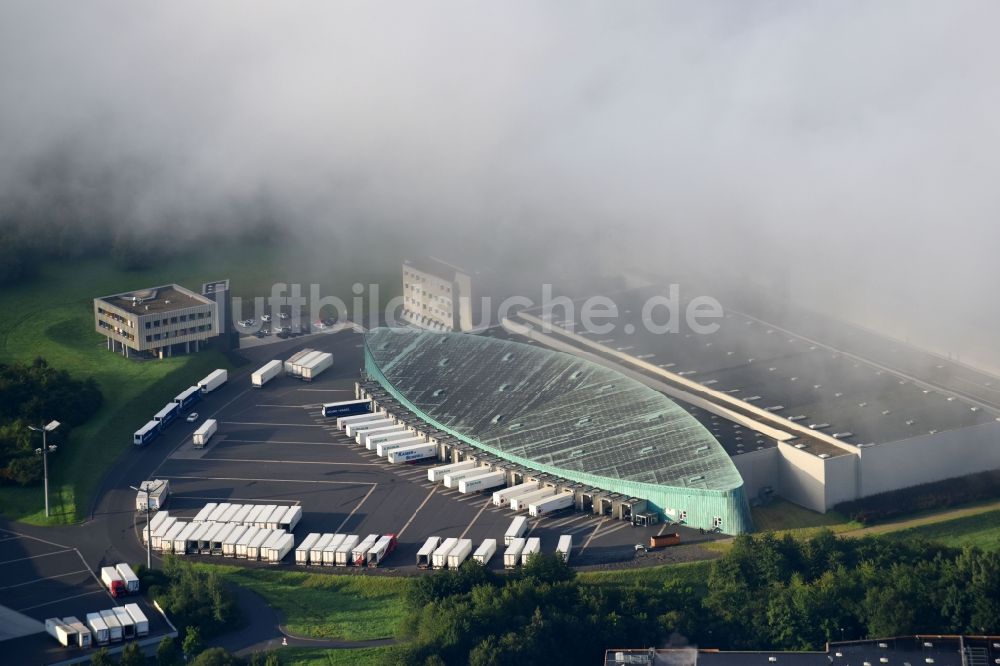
[(192, 417), (283, 315), (265, 318), (247, 323)]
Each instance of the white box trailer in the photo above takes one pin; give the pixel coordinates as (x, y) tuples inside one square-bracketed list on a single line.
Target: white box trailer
[(329, 556), (487, 549), (316, 550), (159, 531), (265, 373), (244, 541), (213, 380), (146, 433), (460, 553), (182, 542), (131, 580), (280, 549), (217, 512), (206, 511), (254, 547), (292, 364), (385, 545), (382, 449), (165, 543), (342, 556), (240, 517), (197, 538), (517, 528), (99, 630), (62, 632), (254, 515), (216, 545), (503, 497), (83, 636), (551, 504), (363, 436), (472, 484), (157, 519), (269, 543), (302, 552), (113, 625), (139, 618), (342, 421), (565, 547), (265, 513), (405, 454), (290, 520), (206, 543), (372, 442), (204, 433), (273, 521), (439, 558), (359, 554), (316, 366), (426, 551), (377, 421), (434, 474), (124, 619), (154, 492), (532, 547), (521, 502), (512, 556), (306, 360), (229, 545), (451, 479), (227, 515)]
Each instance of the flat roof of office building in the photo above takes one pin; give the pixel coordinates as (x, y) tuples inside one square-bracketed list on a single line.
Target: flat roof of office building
[(165, 298)]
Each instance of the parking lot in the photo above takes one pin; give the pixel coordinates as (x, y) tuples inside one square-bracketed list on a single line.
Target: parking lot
[(273, 445)]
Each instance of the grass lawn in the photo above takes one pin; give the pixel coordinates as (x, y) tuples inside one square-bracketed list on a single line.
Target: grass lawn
[(321, 657), (782, 516), (52, 316), (688, 573), (981, 530), (353, 608)]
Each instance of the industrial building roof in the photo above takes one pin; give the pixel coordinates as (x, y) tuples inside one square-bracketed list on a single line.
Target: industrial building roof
[(165, 298), (551, 408)]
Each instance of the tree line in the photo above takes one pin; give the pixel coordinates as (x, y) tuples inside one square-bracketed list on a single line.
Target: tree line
[(33, 394), (765, 593)]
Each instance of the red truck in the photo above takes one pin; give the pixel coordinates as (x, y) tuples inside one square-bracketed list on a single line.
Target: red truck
[(114, 581)]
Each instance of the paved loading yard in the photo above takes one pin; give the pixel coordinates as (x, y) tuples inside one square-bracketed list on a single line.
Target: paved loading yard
[(274, 446)]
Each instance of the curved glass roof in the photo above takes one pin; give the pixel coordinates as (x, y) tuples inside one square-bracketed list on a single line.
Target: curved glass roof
[(550, 407)]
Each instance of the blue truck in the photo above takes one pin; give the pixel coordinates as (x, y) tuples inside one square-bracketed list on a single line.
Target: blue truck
[(146, 433), (346, 408), (186, 399), (167, 415)]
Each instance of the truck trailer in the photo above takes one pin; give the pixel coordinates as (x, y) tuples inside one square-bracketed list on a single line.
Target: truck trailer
[(426, 551), (346, 408), (460, 553), (512, 556), (487, 549), (292, 366), (182, 542), (517, 528), (205, 512), (204, 433), (167, 415), (280, 548), (113, 581), (353, 429), (187, 398), (265, 373), (165, 543), (302, 552), (382, 449), (153, 494), (503, 497), (359, 554), (405, 454), (328, 557), (254, 547), (229, 545), (244, 541), (127, 575), (113, 625), (316, 550), (521, 502), (363, 436), (439, 558), (62, 632), (316, 366), (451, 479), (98, 629), (381, 550), (139, 618), (213, 380), (473, 484), (273, 521), (565, 547), (146, 433), (551, 504), (372, 442), (342, 556), (532, 547), (435, 474), (216, 514), (83, 635), (126, 621), (357, 417)]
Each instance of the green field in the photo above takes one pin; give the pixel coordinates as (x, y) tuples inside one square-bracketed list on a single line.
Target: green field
[(353, 608), (981, 531), (52, 316), (783, 516), (320, 657), (693, 574)]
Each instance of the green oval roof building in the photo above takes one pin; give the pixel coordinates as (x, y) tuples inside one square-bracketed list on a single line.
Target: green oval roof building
[(563, 415)]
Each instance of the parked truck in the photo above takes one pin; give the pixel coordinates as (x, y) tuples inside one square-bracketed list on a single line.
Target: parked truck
[(439, 559), (472, 484), (139, 618), (293, 364), (382, 449), (487, 549), (381, 550), (167, 415), (62, 632), (316, 550), (412, 453), (532, 547), (359, 554), (372, 442), (152, 493), (204, 433), (213, 380), (113, 581), (83, 635), (278, 550), (187, 398), (503, 497), (512, 556), (460, 553), (565, 547), (342, 556), (329, 555), (146, 433), (435, 474), (98, 629), (346, 408), (363, 435), (426, 551), (551, 504), (451, 479), (353, 429), (302, 552), (265, 373), (518, 527), (316, 366), (521, 502), (125, 620), (113, 625), (129, 577)]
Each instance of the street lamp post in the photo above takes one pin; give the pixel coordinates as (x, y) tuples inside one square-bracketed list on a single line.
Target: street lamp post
[(149, 536), (44, 451)]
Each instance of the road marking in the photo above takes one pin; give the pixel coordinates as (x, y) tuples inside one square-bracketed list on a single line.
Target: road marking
[(33, 557), (353, 511), (26, 536), (426, 499), (226, 498), (238, 396), (663, 529), (309, 406), (614, 529), (238, 478), (270, 423), (287, 462), (58, 601), (39, 580), (592, 535), (475, 518), (571, 519), (276, 441)]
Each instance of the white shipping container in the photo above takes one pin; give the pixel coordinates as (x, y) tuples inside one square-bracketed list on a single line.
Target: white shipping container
[(551, 504), (451, 479), (503, 497), (317, 366), (377, 421), (204, 433), (244, 542), (405, 454), (521, 502), (57, 629), (265, 513), (266, 373), (379, 551), (373, 442), (131, 580), (158, 518), (229, 545), (460, 553), (273, 521), (426, 551), (363, 436), (240, 516), (383, 448), (487, 549), (165, 543), (292, 364), (293, 515), (512, 556), (270, 542), (435, 473), (281, 548), (329, 555), (182, 542), (213, 380), (439, 559), (359, 554), (254, 514), (342, 556), (217, 512), (98, 628), (565, 547), (159, 531), (206, 511), (125, 620), (472, 484), (254, 547), (517, 528), (302, 552), (531, 548), (228, 514), (114, 626), (139, 618), (83, 635), (342, 421), (316, 551)]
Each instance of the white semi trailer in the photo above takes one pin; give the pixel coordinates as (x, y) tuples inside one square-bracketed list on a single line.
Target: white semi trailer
[(213, 380), (439, 559), (460, 553), (503, 497), (372, 442), (518, 528), (565, 547), (550, 504), (362, 437), (266, 373), (436, 473), (451, 479), (405, 454), (383, 448), (521, 502), (532, 547), (512, 556), (204, 433), (472, 484), (426, 551), (487, 549)]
